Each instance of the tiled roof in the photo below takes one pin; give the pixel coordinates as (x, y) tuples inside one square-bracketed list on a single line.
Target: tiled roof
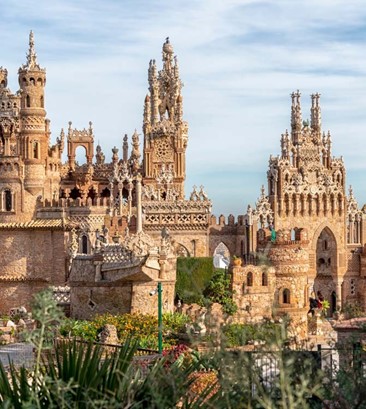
[(22, 278), (54, 224)]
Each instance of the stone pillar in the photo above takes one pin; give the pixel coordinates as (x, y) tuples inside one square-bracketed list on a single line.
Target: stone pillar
[(111, 199), (120, 186), (138, 204), (339, 293), (130, 186)]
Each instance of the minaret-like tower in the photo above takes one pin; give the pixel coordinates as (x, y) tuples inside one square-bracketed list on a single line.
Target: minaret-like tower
[(34, 133), (165, 132), (306, 189)]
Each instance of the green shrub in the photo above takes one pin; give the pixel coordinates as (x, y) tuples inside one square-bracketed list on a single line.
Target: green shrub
[(218, 290), (241, 334), (143, 328), (193, 275), (175, 322), (353, 310)]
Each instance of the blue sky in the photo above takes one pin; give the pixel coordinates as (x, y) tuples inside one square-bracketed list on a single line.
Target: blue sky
[(239, 61)]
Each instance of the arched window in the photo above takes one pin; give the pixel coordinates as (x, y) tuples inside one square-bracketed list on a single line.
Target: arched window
[(264, 279), (75, 193), (28, 101), (250, 279), (8, 200), (221, 256), (35, 150), (105, 192), (293, 235), (286, 296), (92, 193), (84, 244), (42, 101)]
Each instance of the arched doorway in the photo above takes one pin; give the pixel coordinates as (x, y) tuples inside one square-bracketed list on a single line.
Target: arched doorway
[(221, 256), (326, 257), (333, 302)]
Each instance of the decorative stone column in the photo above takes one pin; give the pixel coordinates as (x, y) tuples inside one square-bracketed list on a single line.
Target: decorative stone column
[(339, 293), (120, 186), (138, 204)]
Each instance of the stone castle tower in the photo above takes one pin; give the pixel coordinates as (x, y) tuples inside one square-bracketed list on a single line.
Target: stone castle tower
[(28, 166), (307, 190), (165, 132)]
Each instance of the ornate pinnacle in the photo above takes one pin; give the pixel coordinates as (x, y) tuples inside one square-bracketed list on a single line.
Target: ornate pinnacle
[(263, 192), (350, 190), (315, 112), (167, 54), (296, 111), (32, 55)]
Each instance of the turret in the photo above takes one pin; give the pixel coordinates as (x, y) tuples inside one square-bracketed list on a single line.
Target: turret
[(32, 80), (165, 131), (3, 78)]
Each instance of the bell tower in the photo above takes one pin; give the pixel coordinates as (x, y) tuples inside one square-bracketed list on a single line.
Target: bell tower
[(34, 132), (165, 132)]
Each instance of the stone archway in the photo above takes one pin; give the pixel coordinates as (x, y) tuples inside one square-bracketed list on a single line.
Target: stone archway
[(326, 266), (221, 256)]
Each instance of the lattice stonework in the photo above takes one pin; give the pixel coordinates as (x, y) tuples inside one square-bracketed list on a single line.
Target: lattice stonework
[(91, 223), (61, 295), (353, 262)]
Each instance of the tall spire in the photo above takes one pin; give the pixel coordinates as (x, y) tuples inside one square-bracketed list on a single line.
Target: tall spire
[(32, 56), (32, 63)]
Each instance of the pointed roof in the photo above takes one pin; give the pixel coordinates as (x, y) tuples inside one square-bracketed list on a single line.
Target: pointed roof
[(31, 64)]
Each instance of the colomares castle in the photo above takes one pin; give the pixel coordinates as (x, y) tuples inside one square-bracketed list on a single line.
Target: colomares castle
[(103, 234)]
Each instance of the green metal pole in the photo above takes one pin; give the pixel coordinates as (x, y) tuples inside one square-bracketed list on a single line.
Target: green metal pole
[(160, 318)]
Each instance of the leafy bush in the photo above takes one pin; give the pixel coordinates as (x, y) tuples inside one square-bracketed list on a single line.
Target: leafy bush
[(144, 328), (218, 290), (241, 334), (353, 310), (193, 275)]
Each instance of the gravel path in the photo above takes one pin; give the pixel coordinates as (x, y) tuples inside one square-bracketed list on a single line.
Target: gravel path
[(19, 354)]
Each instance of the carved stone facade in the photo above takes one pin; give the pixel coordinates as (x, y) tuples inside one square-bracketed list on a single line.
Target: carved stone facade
[(112, 230)]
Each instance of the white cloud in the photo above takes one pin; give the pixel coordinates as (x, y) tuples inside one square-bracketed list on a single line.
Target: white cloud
[(239, 62)]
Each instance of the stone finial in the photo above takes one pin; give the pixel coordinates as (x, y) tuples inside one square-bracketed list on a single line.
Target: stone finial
[(315, 112), (125, 148), (147, 110), (32, 55), (32, 63), (3, 77), (167, 49), (296, 115), (100, 157), (350, 191), (135, 154), (114, 154)]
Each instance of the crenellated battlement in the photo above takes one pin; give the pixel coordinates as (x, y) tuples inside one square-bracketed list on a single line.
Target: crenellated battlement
[(229, 220)]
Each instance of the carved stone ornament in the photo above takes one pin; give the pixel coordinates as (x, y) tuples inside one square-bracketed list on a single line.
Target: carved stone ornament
[(140, 243)]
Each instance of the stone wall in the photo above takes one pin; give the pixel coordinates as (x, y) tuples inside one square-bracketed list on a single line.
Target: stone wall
[(17, 293), (89, 300), (253, 288), (30, 260)]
